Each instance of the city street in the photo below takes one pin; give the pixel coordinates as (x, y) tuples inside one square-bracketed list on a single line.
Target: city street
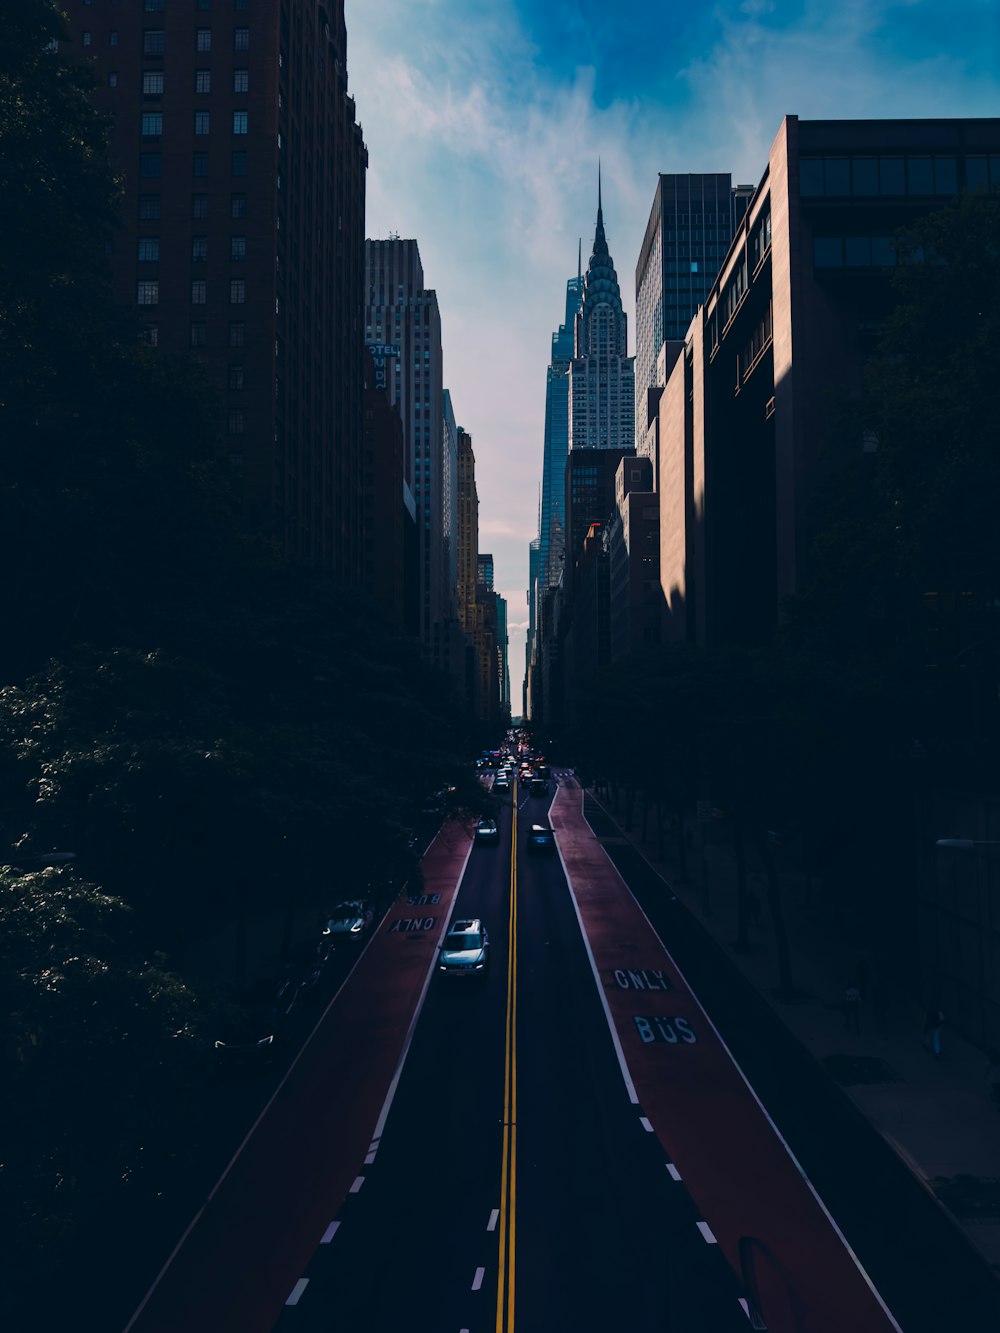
[(530, 1149)]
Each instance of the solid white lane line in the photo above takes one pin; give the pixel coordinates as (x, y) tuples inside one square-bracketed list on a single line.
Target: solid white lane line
[(297, 1291), (358, 1182), (329, 1233), (492, 1223), (674, 1173), (706, 1232), (629, 1085), (369, 1159), (745, 1305), (477, 1281), (645, 1124)]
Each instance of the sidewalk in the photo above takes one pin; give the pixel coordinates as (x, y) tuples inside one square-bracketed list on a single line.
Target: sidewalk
[(937, 1115)]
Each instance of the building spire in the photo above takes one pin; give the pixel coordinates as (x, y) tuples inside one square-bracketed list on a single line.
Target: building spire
[(579, 260), (599, 188)]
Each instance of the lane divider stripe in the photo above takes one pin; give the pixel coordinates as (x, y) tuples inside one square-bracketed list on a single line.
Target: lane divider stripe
[(297, 1290)]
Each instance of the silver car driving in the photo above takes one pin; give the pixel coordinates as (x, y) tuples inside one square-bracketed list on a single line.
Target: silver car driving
[(465, 951)]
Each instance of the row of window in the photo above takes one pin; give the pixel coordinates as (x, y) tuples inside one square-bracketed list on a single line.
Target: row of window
[(152, 123), (237, 338), (149, 248), (840, 177), (158, 6), (148, 292), (149, 206), (154, 40), (854, 252), (151, 164), (153, 81)]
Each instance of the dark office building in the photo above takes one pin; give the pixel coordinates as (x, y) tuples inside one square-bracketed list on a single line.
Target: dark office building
[(745, 421), (687, 237), (590, 499), (243, 245)]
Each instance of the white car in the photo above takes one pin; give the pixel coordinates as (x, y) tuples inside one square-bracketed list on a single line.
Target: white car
[(466, 950)]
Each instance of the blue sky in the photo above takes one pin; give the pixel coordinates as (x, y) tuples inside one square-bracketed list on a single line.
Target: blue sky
[(485, 122)]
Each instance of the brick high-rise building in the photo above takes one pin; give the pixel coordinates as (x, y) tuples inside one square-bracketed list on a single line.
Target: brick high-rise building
[(243, 244)]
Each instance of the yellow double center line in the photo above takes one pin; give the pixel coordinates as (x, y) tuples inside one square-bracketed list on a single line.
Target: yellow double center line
[(508, 1172)]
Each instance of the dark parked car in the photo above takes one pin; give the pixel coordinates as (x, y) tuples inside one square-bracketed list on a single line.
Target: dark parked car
[(348, 921), (260, 1025), (541, 839)]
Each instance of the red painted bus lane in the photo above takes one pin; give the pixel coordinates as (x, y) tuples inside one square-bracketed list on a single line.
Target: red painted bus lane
[(720, 1142), (244, 1252)]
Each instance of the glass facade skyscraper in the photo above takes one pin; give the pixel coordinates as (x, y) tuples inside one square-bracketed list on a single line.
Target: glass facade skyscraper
[(690, 227), (552, 519)]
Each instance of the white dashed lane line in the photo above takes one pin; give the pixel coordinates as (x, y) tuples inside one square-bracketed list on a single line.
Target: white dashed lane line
[(329, 1233), (491, 1225), (477, 1281), (645, 1124), (674, 1173), (359, 1181), (297, 1291), (706, 1231)]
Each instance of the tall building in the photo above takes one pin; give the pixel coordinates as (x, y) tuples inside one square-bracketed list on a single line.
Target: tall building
[(690, 226), (551, 519), (386, 519), (449, 503), (601, 373), (402, 319), (243, 238), (791, 318)]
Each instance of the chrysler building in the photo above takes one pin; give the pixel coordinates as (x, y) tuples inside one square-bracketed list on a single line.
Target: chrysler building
[(601, 373)]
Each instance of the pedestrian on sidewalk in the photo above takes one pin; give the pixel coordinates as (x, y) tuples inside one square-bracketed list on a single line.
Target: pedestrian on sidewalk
[(993, 1075), (933, 1020), (851, 1008)]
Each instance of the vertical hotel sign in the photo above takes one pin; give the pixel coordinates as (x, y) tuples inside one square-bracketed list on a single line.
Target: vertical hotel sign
[(381, 352)]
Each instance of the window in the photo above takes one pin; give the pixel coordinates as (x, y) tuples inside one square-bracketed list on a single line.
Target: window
[(153, 42), (199, 291), (828, 252), (865, 170), (149, 164), (113, 79), (239, 163), (152, 124), (237, 334), (945, 175), (87, 38), (199, 249), (199, 205), (920, 175), (240, 122), (239, 4), (203, 39), (883, 252), (112, 38), (204, 4), (241, 39), (203, 80), (235, 423), (238, 206), (154, 6), (241, 80), (236, 377), (149, 249), (198, 335), (237, 247), (152, 83), (200, 164), (149, 207), (977, 173), (151, 335), (201, 122), (237, 291), (857, 251), (148, 293), (891, 176)]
